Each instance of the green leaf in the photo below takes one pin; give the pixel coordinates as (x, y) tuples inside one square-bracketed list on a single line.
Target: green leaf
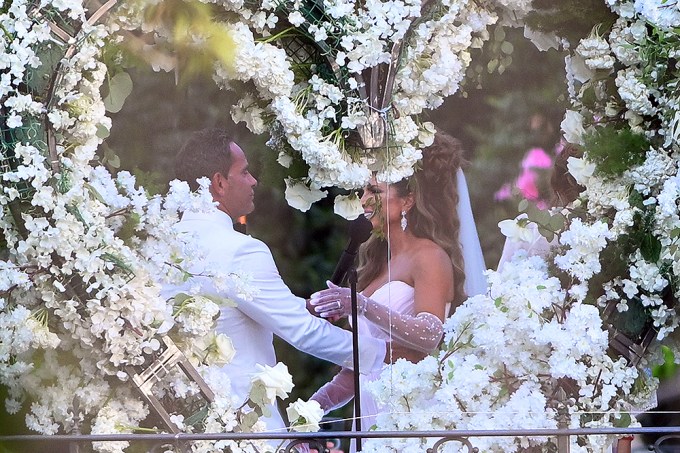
[(523, 205), (650, 248), (541, 217), (248, 421), (102, 131), (622, 421), (197, 417), (111, 158), (492, 65), (180, 298), (557, 222), (120, 87), (548, 234), (503, 392), (507, 47), (258, 396), (94, 193)]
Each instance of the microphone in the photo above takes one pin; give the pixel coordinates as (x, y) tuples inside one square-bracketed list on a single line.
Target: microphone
[(359, 232)]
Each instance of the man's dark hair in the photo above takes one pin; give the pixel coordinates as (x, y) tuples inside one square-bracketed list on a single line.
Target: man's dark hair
[(205, 153)]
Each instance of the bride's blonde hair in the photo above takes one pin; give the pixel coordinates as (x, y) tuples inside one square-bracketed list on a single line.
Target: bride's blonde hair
[(434, 214)]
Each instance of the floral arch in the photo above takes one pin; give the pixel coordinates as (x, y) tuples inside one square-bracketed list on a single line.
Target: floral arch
[(339, 86)]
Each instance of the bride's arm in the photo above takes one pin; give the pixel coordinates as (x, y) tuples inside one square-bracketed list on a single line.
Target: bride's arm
[(337, 392), (431, 271)]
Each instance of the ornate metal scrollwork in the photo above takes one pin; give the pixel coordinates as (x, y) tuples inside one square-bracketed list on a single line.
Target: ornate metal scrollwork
[(656, 446), (317, 444), (462, 440)]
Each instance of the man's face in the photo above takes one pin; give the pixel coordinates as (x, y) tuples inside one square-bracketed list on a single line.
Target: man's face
[(236, 196)]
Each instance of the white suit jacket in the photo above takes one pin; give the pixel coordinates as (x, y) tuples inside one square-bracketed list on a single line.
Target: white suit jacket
[(273, 311)]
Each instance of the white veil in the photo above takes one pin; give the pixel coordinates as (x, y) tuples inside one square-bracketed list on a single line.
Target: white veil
[(475, 280)]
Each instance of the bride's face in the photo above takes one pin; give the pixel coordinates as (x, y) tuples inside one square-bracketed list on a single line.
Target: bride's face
[(382, 204)]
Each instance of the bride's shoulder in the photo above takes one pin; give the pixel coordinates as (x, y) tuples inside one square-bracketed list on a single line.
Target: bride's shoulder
[(428, 251)]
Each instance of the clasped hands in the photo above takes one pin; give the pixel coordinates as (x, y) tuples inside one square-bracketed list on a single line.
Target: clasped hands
[(336, 302)]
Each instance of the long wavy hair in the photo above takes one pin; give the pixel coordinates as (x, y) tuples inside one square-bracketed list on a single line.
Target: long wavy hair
[(434, 214)]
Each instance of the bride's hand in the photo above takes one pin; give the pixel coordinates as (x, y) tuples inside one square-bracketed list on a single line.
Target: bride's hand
[(335, 302)]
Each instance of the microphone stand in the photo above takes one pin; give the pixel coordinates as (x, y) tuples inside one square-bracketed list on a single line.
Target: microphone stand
[(352, 276)]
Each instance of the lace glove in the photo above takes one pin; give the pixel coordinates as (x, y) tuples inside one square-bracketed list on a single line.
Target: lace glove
[(421, 332), (337, 392)]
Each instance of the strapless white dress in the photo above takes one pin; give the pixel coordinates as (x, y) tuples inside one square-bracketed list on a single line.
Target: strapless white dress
[(399, 297)]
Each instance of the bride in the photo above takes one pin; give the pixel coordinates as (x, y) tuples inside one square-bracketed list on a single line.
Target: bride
[(422, 260)]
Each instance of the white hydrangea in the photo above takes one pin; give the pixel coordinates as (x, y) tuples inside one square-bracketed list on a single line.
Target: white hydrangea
[(634, 92)]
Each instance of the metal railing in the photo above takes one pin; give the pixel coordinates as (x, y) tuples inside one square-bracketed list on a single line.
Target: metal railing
[(318, 440)]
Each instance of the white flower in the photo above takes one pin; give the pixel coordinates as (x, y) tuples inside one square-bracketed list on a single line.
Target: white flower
[(542, 41), (300, 196), (348, 206), (581, 169), (516, 230), (275, 380), (304, 416), (296, 19), (634, 92), (659, 13), (213, 349), (572, 127), (284, 159), (595, 51)]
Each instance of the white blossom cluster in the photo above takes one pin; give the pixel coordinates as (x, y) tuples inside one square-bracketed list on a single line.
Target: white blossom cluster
[(504, 356), (642, 201), (86, 252), (506, 352), (314, 116)]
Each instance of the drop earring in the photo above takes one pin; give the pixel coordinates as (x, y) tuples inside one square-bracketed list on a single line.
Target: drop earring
[(404, 222)]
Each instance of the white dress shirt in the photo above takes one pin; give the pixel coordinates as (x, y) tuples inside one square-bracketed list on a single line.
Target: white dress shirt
[(274, 310)]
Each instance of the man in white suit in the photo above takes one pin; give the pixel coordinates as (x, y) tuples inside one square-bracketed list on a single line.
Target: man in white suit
[(274, 310)]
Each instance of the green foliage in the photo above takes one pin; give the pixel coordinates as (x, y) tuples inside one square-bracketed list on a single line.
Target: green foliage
[(129, 228), (494, 58), (570, 19), (668, 368), (615, 150), (548, 223), (119, 88), (632, 322)]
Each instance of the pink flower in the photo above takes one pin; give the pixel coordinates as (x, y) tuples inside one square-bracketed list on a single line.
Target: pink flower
[(504, 193), (526, 183), (536, 158)]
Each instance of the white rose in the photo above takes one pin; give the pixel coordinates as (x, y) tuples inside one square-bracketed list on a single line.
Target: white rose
[(576, 66), (580, 169), (348, 206), (426, 134), (301, 197), (220, 350), (304, 416), (276, 381), (572, 126)]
